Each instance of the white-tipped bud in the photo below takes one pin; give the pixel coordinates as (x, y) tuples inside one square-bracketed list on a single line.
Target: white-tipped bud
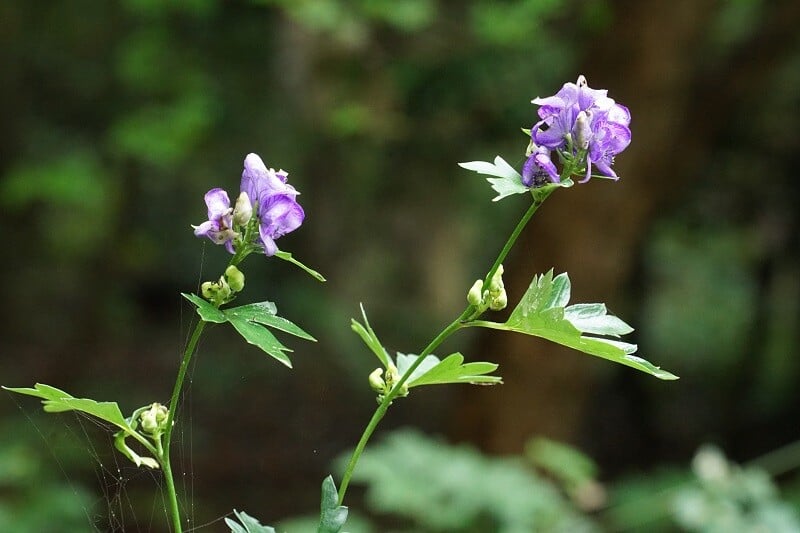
[(474, 296), (243, 210), (583, 131), (496, 283), (207, 290), (499, 302), (582, 81), (235, 278)]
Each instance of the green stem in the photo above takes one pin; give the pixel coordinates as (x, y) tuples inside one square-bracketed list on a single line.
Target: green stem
[(163, 450), (387, 400), (469, 313)]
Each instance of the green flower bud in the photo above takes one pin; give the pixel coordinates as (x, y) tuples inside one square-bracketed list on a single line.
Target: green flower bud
[(243, 210), (474, 296), (154, 419), (208, 290), (376, 381), (235, 278), (499, 302), (496, 283)]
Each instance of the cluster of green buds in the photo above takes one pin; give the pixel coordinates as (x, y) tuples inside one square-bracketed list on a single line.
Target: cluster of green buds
[(225, 289), (383, 384), (148, 422), (153, 419), (494, 297)]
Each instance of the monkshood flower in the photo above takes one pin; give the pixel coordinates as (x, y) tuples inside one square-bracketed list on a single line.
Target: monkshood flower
[(584, 125), (274, 201), (219, 226), (539, 168), (266, 202)]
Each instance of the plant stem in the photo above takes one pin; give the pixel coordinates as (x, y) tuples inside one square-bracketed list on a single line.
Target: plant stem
[(387, 400), (163, 450), (468, 314)]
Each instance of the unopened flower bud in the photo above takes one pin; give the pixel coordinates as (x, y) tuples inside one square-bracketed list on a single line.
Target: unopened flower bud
[(474, 294), (153, 420), (499, 302), (496, 283), (376, 381), (207, 290), (243, 210), (235, 278), (583, 132)]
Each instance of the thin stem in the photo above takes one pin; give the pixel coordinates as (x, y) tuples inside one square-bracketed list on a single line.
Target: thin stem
[(164, 454), (387, 400), (471, 312)]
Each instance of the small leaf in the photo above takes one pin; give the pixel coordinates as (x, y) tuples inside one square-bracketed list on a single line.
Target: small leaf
[(452, 369), (370, 338), (332, 515), (248, 524), (207, 312), (138, 460), (58, 401), (507, 182), (260, 336), (286, 256), (265, 313), (593, 318)]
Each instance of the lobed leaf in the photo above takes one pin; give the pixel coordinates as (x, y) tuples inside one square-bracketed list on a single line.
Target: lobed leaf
[(248, 524), (507, 181), (451, 369), (260, 336), (332, 515), (57, 401), (266, 313), (207, 312), (543, 312)]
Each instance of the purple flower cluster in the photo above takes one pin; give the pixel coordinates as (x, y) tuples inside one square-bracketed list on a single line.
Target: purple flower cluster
[(264, 193), (586, 128)]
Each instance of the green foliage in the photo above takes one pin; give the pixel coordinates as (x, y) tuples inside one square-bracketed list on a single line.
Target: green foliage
[(451, 369), (250, 321), (543, 312), (456, 489), (32, 499), (247, 524), (568, 465), (730, 498), (332, 515), (431, 371)]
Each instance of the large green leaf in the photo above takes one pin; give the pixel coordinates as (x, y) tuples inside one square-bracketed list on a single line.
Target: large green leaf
[(332, 515), (451, 369), (543, 312), (265, 313), (258, 335), (57, 401), (248, 524)]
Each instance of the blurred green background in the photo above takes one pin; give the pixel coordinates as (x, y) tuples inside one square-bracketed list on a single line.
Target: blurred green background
[(118, 116)]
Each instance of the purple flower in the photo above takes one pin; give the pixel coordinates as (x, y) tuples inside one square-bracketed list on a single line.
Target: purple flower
[(583, 122), (274, 201), (539, 168), (219, 226)]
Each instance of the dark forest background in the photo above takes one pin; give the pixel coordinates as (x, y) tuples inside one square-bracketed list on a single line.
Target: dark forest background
[(118, 116)]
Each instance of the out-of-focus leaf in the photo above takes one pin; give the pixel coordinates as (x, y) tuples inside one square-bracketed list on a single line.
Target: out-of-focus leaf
[(332, 515), (247, 524)]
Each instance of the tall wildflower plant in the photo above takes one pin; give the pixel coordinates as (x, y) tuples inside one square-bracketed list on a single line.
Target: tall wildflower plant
[(578, 133)]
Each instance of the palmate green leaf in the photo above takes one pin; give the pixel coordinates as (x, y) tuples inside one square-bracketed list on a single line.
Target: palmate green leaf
[(543, 312), (507, 181), (250, 321), (57, 401), (247, 524), (451, 369), (370, 338), (258, 335), (266, 313), (332, 515)]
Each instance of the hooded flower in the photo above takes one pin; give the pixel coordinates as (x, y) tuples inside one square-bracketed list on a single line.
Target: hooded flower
[(539, 168), (219, 226), (273, 199), (584, 122)]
